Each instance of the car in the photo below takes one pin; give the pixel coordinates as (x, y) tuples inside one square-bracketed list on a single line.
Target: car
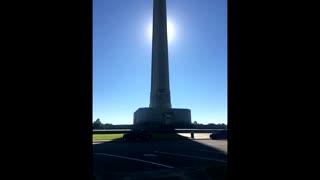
[(220, 134), (137, 135)]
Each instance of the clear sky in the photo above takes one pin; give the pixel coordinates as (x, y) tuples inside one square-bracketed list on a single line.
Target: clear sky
[(122, 58)]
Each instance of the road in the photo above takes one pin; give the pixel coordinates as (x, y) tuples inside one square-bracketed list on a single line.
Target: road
[(176, 159)]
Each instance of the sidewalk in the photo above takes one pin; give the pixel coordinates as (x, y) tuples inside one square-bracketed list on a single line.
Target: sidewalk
[(196, 135)]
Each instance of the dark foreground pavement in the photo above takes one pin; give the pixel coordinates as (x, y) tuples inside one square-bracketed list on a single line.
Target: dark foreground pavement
[(173, 159)]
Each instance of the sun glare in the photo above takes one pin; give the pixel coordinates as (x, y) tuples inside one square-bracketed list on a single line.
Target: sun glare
[(170, 31)]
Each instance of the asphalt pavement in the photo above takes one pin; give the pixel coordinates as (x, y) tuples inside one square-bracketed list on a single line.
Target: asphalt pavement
[(172, 159)]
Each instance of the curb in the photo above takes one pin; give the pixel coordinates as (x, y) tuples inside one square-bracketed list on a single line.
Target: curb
[(120, 140)]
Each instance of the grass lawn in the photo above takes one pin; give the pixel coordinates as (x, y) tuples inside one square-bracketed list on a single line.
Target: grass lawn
[(106, 136), (155, 136)]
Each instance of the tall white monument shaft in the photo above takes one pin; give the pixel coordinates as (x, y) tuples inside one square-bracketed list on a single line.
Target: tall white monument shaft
[(160, 89), (160, 114)]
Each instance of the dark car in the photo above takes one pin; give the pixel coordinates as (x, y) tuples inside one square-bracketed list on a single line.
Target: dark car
[(137, 135), (221, 134)]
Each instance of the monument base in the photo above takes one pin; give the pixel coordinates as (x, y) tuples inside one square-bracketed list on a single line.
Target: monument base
[(150, 118)]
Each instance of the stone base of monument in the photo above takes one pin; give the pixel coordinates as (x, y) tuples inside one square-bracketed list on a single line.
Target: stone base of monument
[(151, 118)]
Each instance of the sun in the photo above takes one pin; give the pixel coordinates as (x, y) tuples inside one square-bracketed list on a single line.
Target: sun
[(170, 31)]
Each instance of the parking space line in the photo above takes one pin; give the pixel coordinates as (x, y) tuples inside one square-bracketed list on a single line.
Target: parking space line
[(210, 159), (134, 159)]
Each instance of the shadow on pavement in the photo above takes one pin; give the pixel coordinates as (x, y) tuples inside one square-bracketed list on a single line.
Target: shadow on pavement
[(177, 157)]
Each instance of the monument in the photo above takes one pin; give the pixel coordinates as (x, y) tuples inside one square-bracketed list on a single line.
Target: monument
[(160, 114)]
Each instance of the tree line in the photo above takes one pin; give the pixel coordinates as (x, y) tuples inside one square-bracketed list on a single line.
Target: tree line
[(97, 124), (197, 125)]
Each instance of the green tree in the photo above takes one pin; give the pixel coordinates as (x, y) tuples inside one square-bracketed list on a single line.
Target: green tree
[(97, 124), (195, 124), (107, 126)]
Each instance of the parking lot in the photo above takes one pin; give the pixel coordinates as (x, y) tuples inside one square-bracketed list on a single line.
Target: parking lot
[(171, 159)]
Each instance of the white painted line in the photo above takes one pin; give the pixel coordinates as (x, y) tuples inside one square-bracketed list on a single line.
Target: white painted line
[(97, 143), (134, 159), (211, 159), (149, 155)]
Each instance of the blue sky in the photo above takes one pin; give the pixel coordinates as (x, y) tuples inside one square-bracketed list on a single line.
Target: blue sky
[(122, 58)]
